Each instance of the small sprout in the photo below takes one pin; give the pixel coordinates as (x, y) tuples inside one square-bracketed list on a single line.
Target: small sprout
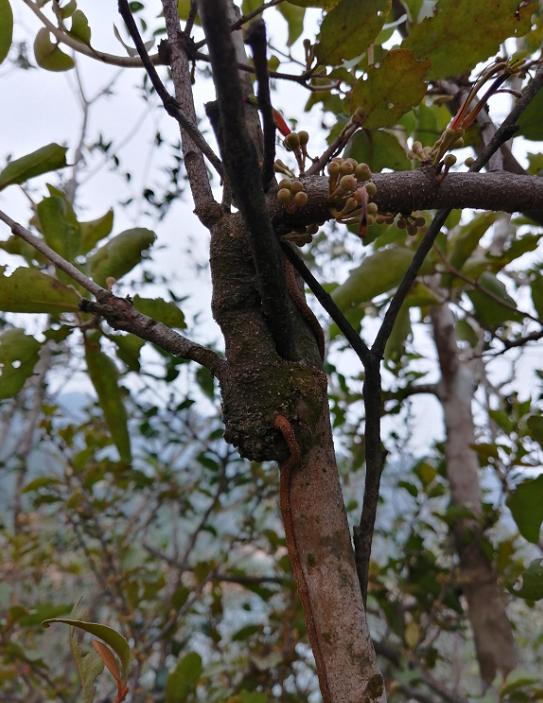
[(284, 195), (449, 160), (372, 208), (417, 147), (333, 168), (371, 188), (363, 172), (296, 186), (300, 199), (280, 167), (303, 137), (292, 141)]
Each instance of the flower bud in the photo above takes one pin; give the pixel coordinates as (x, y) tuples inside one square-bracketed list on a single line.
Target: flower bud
[(284, 195), (296, 186), (292, 141), (363, 172), (371, 188), (303, 137), (300, 199)]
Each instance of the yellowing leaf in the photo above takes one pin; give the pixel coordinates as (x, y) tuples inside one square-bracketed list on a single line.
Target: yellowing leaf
[(349, 28), (19, 353), (47, 158), (463, 32), (104, 376), (390, 90), (48, 55), (6, 28), (30, 290)]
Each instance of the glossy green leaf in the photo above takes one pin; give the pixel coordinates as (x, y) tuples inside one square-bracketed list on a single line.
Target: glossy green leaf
[(349, 28), (19, 353), (47, 158), (59, 226), (390, 90), (6, 28), (531, 587), (378, 273), (462, 33), (80, 28), (48, 55), (490, 312), (105, 379), (378, 149), (526, 505), (294, 17), (121, 254), (161, 310), (92, 231), (115, 640), (183, 679), (30, 290)]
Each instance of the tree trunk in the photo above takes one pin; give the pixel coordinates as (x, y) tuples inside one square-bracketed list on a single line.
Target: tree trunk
[(256, 386), (492, 632)]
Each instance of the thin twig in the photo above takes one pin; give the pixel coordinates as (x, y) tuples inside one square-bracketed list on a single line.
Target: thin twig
[(256, 38), (242, 168), (170, 104), (54, 257), (338, 144)]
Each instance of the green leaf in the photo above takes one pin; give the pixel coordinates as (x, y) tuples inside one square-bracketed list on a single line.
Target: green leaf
[(206, 381), (379, 149), (535, 427), (93, 231), (463, 243), (349, 28), (526, 505), (47, 158), (377, 274), (325, 4), (59, 226), (104, 376), (489, 312), (462, 33), (6, 28), (532, 582), (128, 349), (48, 55), (395, 346), (30, 290), (295, 21), (530, 121), (390, 90), (161, 310), (89, 666), (19, 353), (537, 294), (121, 254), (252, 697), (80, 27), (38, 613), (115, 640), (183, 679), (68, 9)]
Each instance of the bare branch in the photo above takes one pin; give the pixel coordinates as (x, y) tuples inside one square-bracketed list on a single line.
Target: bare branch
[(170, 105), (55, 258), (256, 38), (241, 165), (192, 151)]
